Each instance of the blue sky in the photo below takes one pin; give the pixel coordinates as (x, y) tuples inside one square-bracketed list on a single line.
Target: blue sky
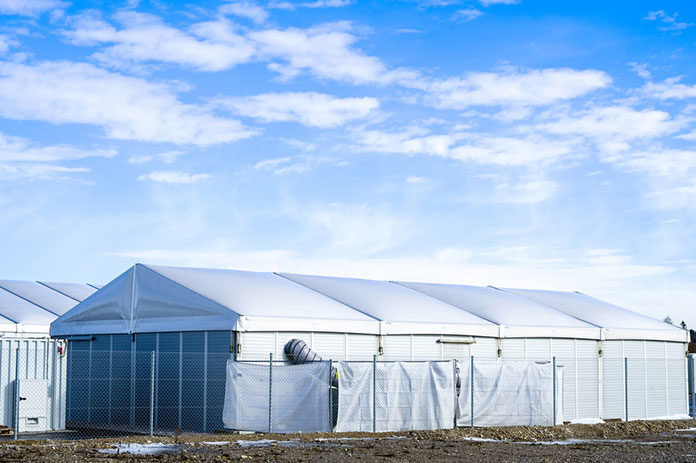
[(512, 143)]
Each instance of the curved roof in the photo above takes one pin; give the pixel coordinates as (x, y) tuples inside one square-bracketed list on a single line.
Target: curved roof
[(149, 298), (618, 323), (396, 305), (516, 315), (31, 306)]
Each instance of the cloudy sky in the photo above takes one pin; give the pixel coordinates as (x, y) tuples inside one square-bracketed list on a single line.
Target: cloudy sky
[(503, 142)]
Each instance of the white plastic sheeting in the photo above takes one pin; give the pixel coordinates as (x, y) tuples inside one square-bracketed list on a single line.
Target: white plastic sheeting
[(510, 393), (409, 396), (299, 397)]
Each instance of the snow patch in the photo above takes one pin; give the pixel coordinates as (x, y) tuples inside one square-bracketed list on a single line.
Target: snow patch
[(481, 439), (222, 442), (140, 449), (587, 421)]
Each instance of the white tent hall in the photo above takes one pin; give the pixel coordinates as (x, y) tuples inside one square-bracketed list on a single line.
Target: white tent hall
[(27, 309), (218, 313)]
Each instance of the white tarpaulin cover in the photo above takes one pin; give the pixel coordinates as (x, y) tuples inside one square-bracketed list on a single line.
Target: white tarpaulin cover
[(510, 394), (410, 396), (300, 397)]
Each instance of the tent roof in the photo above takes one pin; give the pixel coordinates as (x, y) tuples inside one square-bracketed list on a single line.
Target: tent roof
[(618, 323), (31, 306), (149, 298), (516, 315), (400, 307)]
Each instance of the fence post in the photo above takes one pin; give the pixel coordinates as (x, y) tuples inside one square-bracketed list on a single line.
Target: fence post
[(270, 392), (16, 408), (374, 393), (454, 393), (692, 385), (330, 395), (472, 391), (152, 394), (626, 387), (553, 420)]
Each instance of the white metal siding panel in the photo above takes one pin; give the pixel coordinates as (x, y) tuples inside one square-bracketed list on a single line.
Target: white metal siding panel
[(656, 374), (588, 378), (676, 378), (485, 348), (564, 351), (257, 345), (454, 351), (538, 349), (361, 346), (426, 347), (397, 347), (513, 349), (612, 373), (331, 346), (634, 351)]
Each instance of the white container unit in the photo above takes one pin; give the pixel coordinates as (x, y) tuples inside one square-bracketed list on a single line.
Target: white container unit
[(26, 310), (356, 319)]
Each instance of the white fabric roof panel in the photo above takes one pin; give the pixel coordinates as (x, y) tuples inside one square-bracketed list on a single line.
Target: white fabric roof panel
[(76, 291), (402, 309), (49, 299), (617, 322), (149, 298), (516, 316)]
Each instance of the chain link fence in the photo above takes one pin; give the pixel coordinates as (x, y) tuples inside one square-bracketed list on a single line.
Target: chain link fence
[(103, 393)]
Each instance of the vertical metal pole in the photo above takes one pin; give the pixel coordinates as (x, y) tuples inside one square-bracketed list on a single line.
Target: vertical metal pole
[(16, 408), (472, 390), (152, 394), (626, 386), (692, 385), (270, 391), (374, 393), (330, 395), (553, 420), (454, 392)]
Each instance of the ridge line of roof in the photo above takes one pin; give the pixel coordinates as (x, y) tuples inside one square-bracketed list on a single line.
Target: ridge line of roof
[(30, 301), (326, 295), (448, 303), (58, 291)]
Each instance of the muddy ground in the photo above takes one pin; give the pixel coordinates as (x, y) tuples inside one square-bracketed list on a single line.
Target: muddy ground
[(654, 441)]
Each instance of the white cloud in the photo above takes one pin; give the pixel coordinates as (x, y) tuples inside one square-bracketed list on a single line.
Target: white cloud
[(415, 180), (669, 89), (498, 2), (513, 151), (527, 88), (126, 108), (245, 10), (314, 4), (167, 157), (326, 52), (21, 149), (641, 70), (5, 43), (670, 22), (297, 164), (309, 108), (526, 191), (410, 141), (467, 14), (28, 7), (34, 171), (210, 46), (174, 177), (613, 127)]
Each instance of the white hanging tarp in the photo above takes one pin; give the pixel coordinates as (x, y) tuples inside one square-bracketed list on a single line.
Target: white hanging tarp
[(510, 394), (409, 396), (299, 397)]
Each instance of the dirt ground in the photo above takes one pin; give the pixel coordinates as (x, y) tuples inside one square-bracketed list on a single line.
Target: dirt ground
[(650, 441)]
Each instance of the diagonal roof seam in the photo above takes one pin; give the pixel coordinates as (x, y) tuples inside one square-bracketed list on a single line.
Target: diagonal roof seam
[(327, 296), (58, 291), (188, 289), (30, 301)]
